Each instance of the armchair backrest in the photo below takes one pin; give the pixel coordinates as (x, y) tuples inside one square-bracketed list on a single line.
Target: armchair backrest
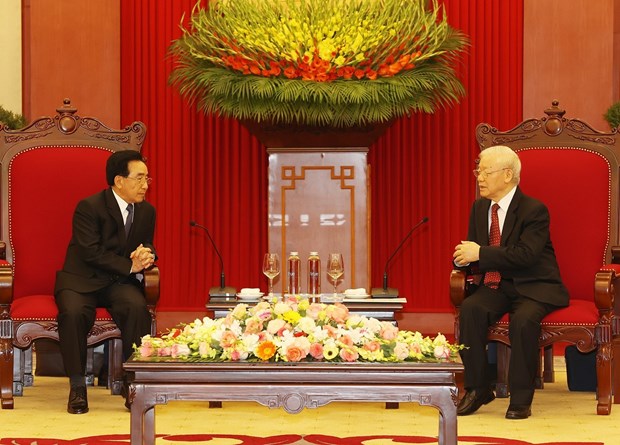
[(46, 168), (573, 169)]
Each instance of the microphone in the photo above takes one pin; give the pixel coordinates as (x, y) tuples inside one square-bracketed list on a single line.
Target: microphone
[(223, 291), (390, 292)]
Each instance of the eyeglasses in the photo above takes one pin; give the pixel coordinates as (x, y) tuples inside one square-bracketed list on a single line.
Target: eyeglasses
[(484, 174), (141, 179)]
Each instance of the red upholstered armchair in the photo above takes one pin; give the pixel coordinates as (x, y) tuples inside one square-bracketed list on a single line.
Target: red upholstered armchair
[(574, 170), (46, 169)]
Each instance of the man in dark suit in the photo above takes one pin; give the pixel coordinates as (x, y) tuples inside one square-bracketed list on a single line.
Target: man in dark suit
[(509, 242), (111, 243)]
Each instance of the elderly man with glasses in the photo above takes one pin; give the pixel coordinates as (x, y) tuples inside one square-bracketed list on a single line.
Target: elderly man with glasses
[(111, 244), (508, 241)]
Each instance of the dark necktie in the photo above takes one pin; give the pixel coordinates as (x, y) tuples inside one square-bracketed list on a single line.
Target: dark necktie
[(129, 219), (493, 277)]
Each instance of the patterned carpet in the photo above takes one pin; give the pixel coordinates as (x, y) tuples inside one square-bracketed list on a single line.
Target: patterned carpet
[(289, 439)]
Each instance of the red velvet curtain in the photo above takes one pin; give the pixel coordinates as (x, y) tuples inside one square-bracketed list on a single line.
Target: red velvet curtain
[(213, 171)]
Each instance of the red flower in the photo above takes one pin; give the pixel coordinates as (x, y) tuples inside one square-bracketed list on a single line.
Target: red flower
[(290, 72)]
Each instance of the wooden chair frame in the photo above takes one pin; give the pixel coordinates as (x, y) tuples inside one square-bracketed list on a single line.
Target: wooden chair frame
[(553, 130), (66, 129)]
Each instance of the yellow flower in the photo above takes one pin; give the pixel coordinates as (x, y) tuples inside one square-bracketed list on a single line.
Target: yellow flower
[(330, 351)]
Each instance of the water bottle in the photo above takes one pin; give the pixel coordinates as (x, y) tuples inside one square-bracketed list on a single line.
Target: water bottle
[(293, 268), (314, 274)]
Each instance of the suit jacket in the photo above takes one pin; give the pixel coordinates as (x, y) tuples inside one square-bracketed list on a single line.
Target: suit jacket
[(98, 253), (525, 254)]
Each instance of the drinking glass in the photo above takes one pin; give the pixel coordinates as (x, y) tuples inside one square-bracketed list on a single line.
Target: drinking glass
[(335, 269), (271, 268)]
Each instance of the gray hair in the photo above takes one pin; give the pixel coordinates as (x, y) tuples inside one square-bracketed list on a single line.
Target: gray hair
[(505, 158)]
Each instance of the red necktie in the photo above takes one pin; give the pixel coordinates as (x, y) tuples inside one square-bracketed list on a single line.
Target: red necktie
[(493, 277)]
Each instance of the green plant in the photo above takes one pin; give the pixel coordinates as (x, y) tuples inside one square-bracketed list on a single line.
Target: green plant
[(337, 63), (12, 121), (612, 116)]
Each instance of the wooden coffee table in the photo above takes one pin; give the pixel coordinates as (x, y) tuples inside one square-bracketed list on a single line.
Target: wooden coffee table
[(291, 386)]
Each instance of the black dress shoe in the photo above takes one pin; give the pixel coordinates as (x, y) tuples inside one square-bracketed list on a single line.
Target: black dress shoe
[(78, 403), (473, 400), (516, 412)]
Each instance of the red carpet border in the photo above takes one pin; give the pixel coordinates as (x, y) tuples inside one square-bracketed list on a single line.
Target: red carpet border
[(288, 439)]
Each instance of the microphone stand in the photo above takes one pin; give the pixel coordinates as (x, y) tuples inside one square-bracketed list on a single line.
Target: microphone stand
[(392, 292), (223, 292)]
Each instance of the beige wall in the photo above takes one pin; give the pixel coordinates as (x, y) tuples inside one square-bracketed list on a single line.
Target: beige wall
[(10, 48), (571, 53)]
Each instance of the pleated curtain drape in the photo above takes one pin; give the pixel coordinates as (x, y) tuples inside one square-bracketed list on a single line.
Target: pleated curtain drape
[(213, 171)]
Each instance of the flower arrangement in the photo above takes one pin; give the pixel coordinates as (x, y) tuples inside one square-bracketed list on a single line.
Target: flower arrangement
[(293, 330), (330, 62)]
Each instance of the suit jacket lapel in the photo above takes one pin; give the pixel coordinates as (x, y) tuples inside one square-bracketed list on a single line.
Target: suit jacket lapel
[(511, 216), (115, 212)]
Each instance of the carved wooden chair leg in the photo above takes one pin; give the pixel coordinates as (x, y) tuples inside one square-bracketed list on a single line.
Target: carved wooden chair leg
[(548, 369), (503, 361), (6, 366), (18, 382), (115, 366), (90, 360)]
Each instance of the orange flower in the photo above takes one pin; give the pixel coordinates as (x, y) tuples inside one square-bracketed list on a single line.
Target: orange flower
[(266, 350), (294, 354)]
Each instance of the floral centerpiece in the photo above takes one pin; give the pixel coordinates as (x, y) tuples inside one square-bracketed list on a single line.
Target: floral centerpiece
[(338, 63), (294, 330)]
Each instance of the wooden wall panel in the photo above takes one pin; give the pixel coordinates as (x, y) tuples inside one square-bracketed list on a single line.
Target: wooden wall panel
[(571, 54), (318, 201), (72, 49)]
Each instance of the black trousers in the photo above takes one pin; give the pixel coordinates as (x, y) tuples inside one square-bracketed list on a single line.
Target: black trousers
[(76, 317), (485, 307)]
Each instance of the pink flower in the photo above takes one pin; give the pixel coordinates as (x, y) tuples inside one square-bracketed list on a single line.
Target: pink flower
[(228, 339), (294, 353), (178, 350), (415, 348), (275, 325), (388, 331), (372, 346), (346, 340), (441, 351), (237, 355), (253, 326), (314, 310), (338, 312), (164, 352), (332, 332), (146, 349), (316, 351), (401, 351), (349, 354)]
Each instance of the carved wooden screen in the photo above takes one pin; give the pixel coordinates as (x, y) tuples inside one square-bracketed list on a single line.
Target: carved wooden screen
[(319, 201)]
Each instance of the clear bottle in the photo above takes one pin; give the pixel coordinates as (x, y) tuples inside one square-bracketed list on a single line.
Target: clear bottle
[(314, 274), (293, 270)]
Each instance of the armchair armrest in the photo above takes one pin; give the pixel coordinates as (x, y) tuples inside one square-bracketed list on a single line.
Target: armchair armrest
[(615, 254), (458, 280), (6, 281), (151, 286), (606, 281)]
